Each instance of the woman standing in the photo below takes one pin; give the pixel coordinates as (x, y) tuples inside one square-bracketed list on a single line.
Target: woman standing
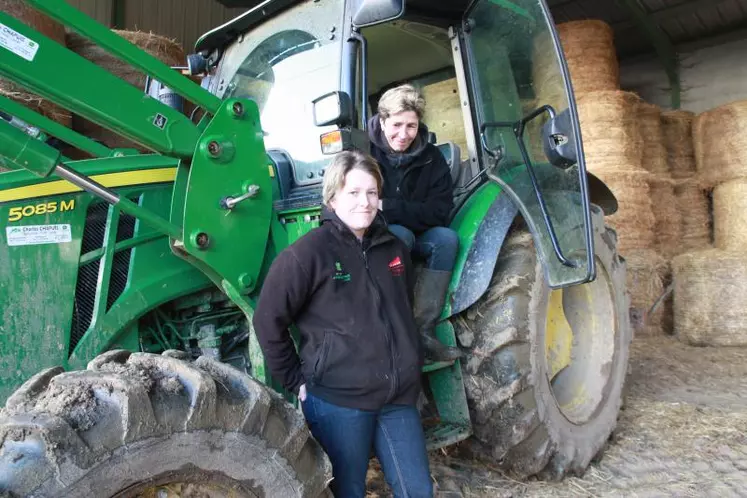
[(416, 202), (347, 286)]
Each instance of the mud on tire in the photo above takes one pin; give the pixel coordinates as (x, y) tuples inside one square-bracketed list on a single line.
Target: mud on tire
[(133, 422), (529, 415)]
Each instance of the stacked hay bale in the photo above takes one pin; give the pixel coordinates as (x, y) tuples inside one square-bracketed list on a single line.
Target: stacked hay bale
[(49, 28), (677, 133), (691, 197), (167, 50), (720, 137), (648, 274), (589, 50), (709, 305), (668, 222), (613, 148)]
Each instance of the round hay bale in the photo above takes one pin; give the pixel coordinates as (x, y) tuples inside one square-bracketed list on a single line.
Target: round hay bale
[(20, 10), (590, 54), (646, 274), (720, 139), (677, 129), (668, 219), (165, 49), (730, 215), (654, 151), (611, 137), (710, 304), (693, 205), (634, 219)]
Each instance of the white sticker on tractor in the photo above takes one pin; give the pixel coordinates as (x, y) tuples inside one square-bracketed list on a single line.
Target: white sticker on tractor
[(30, 235), (17, 43)]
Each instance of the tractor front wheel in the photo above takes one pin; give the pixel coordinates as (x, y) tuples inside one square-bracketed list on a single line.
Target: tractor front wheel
[(545, 371), (144, 425)]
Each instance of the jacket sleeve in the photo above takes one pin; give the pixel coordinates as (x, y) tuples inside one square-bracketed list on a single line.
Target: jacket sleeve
[(285, 291), (432, 212)]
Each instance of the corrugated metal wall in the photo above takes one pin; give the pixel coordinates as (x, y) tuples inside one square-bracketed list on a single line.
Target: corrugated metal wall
[(101, 10), (710, 77), (184, 20)]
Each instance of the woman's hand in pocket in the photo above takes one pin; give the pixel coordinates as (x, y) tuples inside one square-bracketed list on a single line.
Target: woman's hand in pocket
[(302, 393)]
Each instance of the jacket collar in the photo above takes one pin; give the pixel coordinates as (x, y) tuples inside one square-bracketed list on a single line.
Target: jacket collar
[(376, 234)]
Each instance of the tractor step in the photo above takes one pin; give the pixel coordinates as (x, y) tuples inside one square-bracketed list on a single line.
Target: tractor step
[(437, 365), (445, 434)]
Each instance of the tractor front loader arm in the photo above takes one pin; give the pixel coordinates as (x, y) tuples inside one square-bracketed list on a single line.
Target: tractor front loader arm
[(222, 194)]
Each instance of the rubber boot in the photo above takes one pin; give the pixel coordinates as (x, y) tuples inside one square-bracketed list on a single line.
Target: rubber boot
[(430, 296)]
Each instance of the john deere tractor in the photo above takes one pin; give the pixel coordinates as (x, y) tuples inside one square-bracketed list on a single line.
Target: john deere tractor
[(128, 365)]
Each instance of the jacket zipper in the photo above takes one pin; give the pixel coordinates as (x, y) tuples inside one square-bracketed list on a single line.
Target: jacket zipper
[(394, 380)]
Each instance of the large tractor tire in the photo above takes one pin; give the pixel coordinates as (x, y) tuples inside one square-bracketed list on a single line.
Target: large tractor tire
[(545, 370), (144, 425)]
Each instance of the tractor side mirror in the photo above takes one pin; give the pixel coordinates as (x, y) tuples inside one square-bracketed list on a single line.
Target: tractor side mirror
[(557, 140), (372, 12), (334, 108)]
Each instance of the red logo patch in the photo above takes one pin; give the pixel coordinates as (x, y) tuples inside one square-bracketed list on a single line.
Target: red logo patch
[(397, 267)]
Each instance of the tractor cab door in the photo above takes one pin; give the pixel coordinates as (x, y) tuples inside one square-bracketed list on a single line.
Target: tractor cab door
[(527, 129)]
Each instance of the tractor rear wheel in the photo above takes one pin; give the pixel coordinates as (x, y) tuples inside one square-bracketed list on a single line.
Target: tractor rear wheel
[(545, 372), (144, 425)]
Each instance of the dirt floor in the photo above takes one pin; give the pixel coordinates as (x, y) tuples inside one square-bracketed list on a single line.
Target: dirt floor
[(683, 432)]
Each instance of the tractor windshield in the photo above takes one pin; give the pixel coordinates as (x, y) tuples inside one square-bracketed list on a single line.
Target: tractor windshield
[(283, 65), (516, 69)]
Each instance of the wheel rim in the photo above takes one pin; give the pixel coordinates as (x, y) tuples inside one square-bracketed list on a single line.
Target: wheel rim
[(580, 339)]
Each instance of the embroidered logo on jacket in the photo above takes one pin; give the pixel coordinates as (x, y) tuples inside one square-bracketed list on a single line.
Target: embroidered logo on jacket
[(397, 267), (340, 274)]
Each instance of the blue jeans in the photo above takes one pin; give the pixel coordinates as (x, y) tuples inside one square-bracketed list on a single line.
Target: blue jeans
[(437, 246), (348, 434)]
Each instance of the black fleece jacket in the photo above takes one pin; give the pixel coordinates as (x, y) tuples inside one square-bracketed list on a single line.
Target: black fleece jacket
[(351, 302), (418, 190)]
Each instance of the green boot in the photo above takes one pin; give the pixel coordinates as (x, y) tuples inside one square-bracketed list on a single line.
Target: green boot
[(430, 296)]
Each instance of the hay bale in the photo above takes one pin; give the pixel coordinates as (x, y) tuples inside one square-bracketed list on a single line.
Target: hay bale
[(590, 53), (693, 205), (611, 137), (668, 219), (710, 305), (654, 151), (164, 49), (590, 56), (730, 215), (720, 140), (634, 219), (646, 274), (677, 129), (49, 28)]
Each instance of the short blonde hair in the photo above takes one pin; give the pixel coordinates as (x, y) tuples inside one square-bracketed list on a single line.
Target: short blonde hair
[(344, 163), (400, 99)]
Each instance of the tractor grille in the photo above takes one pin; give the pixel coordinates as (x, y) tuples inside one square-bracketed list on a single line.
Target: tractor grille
[(121, 264), (85, 289)]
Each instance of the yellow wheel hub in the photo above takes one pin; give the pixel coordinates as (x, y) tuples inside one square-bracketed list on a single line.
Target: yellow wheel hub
[(558, 336)]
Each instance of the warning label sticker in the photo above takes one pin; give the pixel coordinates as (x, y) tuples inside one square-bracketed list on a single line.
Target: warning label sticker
[(30, 235), (17, 43)]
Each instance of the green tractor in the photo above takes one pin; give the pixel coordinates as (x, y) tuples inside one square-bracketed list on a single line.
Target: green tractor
[(128, 365)]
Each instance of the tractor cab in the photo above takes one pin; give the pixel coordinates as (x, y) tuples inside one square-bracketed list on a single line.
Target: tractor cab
[(498, 99)]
